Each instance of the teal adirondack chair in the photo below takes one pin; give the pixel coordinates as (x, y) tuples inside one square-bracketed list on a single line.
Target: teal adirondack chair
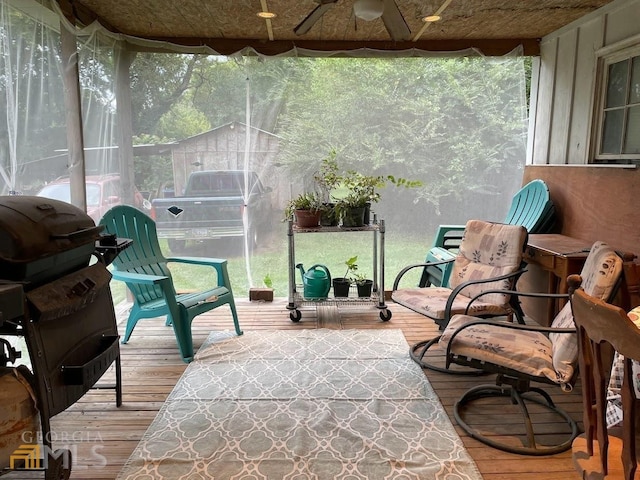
[(531, 207), (144, 270)]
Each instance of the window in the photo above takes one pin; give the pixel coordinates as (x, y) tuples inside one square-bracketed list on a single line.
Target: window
[(618, 108)]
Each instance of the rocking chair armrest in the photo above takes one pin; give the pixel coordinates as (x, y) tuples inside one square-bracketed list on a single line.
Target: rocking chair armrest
[(137, 277), (513, 326), (516, 293), (402, 272), (456, 291)]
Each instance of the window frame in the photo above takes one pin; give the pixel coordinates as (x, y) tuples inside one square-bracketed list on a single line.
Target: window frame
[(604, 58)]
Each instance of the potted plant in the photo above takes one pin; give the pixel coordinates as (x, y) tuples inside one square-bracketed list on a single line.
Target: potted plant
[(366, 188), (305, 209), (264, 294), (327, 178), (363, 284), (341, 284), (351, 210)]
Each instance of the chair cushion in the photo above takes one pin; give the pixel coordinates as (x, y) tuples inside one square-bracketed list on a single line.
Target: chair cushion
[(432, 301), (554, 357), (600, 274), (488, 250), (524, 351)]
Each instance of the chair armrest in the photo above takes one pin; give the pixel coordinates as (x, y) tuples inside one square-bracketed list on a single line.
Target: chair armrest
[(417, 265), (137, 277), (441, 235), (516, 293), (456, 291), (219, 264)]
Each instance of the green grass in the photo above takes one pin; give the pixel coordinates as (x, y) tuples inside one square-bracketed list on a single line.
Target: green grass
[(329, 249)]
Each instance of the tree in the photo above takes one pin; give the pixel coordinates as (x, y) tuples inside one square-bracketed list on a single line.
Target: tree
[(158, 81)]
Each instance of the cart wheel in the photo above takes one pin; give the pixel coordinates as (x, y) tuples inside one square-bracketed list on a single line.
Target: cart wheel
[(385, 315), (295, 316)]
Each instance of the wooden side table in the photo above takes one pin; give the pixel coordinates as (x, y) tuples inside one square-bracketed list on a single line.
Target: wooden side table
[(560, 256)]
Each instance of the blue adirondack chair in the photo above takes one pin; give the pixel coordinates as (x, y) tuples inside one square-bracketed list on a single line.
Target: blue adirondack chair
[(531, 207), (144, 270)]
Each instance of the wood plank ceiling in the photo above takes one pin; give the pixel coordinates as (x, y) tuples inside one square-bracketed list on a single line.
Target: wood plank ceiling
[(493, 26)]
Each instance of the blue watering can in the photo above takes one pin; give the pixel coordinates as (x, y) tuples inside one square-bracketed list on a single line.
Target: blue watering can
[(316, 281)]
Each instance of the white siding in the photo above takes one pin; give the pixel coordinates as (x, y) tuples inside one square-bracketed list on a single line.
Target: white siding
[(563, 104)]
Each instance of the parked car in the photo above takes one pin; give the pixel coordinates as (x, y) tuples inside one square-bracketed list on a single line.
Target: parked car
[(103, 192)]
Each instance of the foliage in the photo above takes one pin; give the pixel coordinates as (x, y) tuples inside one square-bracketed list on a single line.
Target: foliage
[(304, 201), (327, 178), (157, 83), (352, 267), (352, 273), (267, 281)]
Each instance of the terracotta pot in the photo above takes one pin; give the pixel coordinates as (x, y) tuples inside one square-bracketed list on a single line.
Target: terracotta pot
[(308, 218)]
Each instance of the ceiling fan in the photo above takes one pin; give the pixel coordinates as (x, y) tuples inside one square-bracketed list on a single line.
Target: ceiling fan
[(392, 18)]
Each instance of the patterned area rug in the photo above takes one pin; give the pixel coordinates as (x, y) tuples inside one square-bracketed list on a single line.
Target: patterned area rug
[(306, 404)]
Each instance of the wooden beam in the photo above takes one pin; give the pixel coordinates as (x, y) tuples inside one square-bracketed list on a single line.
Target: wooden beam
[(124, 58), (72, 101), (489, 47)]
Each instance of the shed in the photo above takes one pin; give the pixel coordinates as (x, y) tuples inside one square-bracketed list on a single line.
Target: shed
[(224, 148)]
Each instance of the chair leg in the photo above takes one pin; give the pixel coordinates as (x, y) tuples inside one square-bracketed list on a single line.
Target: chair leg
[(118, 382), (234, 314), (531, 447), (131, 324), (182, 330), (418, 351)]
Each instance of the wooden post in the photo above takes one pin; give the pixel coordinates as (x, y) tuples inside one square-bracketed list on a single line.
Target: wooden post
[(72, 102), (124, 58)]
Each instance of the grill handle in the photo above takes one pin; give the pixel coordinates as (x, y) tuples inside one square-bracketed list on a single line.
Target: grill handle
[(72, 236)]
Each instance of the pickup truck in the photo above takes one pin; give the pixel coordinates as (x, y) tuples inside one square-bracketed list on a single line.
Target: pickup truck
[(212, 207)]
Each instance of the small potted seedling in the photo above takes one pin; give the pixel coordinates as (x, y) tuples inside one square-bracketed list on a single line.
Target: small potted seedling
[(364, 284), (263, 294), (341, 284)]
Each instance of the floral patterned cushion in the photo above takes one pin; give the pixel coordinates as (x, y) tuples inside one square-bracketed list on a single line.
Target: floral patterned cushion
[(487, 250), (521, 350), (600, 274), (534, 353), (432, 301)]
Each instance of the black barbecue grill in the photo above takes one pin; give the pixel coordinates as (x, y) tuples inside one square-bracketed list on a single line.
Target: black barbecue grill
[(56, 294)]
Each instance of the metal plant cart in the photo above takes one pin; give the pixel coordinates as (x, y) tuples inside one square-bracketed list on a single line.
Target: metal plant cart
[(296, 298)]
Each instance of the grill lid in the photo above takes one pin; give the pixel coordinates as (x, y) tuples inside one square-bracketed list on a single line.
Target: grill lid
[(33, 229)]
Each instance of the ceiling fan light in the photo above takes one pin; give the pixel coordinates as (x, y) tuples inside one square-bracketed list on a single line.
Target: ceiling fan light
[(368, 10)]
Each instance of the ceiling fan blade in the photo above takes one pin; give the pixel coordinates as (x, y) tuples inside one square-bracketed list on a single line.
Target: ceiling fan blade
[(394, 22), (310, 20)]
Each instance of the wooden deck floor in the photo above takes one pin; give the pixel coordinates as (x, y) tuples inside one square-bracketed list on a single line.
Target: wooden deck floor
[(102, 436)]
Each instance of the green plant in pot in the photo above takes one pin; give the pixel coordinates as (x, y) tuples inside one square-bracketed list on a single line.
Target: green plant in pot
[(305, 209), (366, 187), (363, 284), (327, 179), (341, 284), (363, 192), (351, 210)]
